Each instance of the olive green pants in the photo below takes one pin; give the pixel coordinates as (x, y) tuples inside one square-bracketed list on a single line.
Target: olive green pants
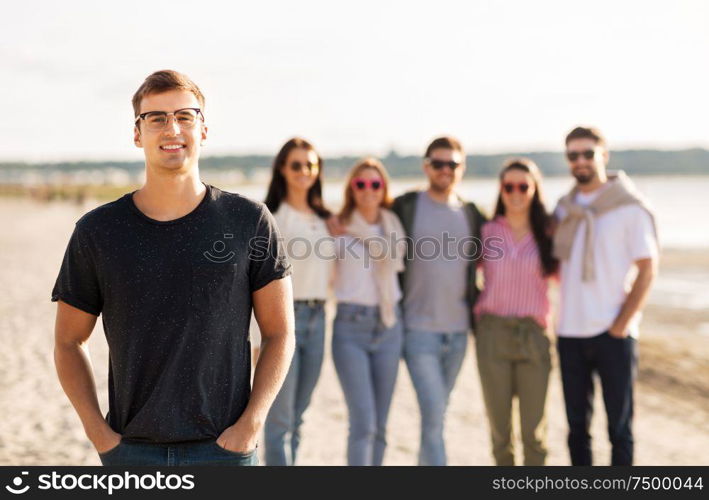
[(514, 360)]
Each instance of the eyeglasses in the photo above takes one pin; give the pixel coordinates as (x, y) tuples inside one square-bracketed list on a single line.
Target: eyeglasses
[(439, 164), (510, 187), (361, 184), (574, 155), (297, 166), (156, 121)]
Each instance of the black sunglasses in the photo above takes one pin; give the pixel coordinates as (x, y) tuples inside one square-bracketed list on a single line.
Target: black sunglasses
[(439, 164), (510, 187), (574, 155)]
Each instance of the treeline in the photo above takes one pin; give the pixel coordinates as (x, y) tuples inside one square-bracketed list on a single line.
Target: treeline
[(636, 162)]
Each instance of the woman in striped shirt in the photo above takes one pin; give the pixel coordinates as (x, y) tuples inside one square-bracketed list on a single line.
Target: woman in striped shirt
[(513, 311)]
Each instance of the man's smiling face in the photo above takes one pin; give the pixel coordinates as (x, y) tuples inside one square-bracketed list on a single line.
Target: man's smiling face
[(443, 178), (175, 148), (583, 168)]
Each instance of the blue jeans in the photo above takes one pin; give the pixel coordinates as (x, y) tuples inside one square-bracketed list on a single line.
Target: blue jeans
[(615, 361), (129, 453), (434, 360), (282, 427), (366, 356)]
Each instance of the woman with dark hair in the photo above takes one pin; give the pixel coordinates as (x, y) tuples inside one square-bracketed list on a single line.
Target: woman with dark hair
[(295, 199), (368, 335), (513, 312)]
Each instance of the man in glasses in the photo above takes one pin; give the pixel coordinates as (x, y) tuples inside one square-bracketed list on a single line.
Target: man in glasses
[(175, 268), (439, 286), (605, 230)]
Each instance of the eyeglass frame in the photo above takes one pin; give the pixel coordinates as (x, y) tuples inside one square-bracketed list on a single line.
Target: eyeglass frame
[(142, 116)]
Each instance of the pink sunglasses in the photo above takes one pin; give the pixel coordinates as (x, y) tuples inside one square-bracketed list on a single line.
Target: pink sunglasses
[(361, 184)]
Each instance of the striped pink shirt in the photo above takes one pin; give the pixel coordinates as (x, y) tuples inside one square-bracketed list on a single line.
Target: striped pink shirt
[(515, 285)]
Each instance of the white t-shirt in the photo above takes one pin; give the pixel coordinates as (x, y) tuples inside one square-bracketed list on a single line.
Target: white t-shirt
[(311, 253), (622, 236), (354, 276), (310, 250)]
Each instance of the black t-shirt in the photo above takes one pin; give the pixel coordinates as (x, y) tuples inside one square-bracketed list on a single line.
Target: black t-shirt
[(176, 303)]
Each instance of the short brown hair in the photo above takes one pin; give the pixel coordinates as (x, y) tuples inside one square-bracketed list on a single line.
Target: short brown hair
[(164, 81), (445, 142), (586, 133), (349, 204)]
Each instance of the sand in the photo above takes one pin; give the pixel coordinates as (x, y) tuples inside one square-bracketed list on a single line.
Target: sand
[(39, 426)]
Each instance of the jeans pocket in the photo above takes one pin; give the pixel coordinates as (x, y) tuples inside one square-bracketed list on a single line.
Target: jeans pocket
[(242, 454), (543, 347), (349, 316), (107, 457), (111, 451), (354, 322), (238, 457), (612, 338)]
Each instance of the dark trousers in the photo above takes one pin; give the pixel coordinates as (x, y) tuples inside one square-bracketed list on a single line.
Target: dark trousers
[(615, 361)]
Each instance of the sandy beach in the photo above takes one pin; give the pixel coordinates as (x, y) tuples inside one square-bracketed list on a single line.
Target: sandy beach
[(39, 426)]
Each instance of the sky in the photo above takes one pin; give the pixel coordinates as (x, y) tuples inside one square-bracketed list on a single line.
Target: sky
[(359, 77)]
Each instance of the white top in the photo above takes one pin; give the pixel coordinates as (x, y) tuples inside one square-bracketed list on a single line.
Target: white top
[(622, 236), (310, 250), (354, 276)]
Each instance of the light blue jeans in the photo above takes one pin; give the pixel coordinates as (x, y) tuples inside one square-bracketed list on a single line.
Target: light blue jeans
[(434, 360), (282, 427), (366, 356)]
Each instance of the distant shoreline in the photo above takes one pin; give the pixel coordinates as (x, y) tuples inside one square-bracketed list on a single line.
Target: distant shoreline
[(102, 191), (693, 161)]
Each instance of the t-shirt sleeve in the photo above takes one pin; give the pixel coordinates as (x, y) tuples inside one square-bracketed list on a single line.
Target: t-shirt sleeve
[(267, 255), (642, 243), (77, 283)]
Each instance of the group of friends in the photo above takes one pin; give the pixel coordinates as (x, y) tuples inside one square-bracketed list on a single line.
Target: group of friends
[(176, 268)]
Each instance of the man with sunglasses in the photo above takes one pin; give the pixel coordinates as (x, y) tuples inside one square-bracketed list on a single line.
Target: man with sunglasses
[(605, 230), (438, 284), (175, 268)]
